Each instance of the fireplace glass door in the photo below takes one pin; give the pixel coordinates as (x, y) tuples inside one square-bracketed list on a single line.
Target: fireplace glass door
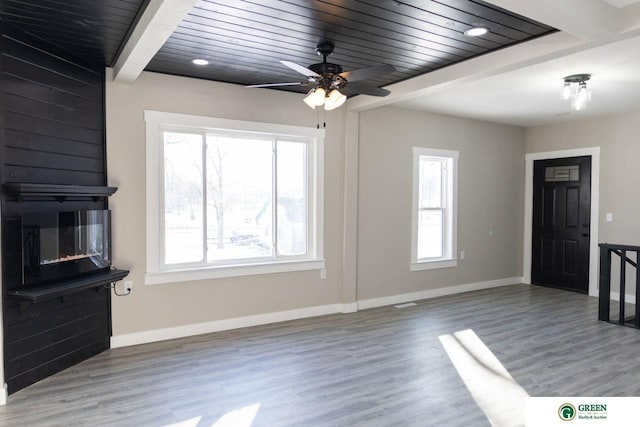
[(59, 245)]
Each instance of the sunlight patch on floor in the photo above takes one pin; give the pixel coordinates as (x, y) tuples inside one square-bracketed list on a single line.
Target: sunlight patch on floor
[(193, 422), (242, 417), (499, 396)]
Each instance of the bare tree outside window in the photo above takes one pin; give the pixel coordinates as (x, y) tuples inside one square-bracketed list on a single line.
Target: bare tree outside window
[(183, 190), (220, 192), (230, 198), (215, 184)]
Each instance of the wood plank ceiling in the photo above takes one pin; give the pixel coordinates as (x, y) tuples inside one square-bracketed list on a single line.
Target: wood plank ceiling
[(93, 30), (244, 40)]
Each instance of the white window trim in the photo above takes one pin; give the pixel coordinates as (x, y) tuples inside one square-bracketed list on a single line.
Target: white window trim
[(155, 122), (450, 259)]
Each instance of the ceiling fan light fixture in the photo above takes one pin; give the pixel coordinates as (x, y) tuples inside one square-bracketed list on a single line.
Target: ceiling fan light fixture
[(326, 78), (334, 100)]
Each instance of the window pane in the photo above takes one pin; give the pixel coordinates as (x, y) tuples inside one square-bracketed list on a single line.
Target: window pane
[(292, 207), (183, 222), (430, 183), (430, 234), (562, 173), (239, 197)]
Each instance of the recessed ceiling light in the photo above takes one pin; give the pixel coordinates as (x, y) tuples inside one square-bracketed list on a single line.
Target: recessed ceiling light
[(476, 31), (200, 62)]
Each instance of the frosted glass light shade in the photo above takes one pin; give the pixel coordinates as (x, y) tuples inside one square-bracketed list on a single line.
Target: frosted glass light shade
[(566, 91), (334, 100), (318, 96), (309, 99)]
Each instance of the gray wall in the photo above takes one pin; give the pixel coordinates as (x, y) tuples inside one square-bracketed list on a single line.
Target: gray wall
[(617, 137), (178, 304), (490, 198), (491, 172)]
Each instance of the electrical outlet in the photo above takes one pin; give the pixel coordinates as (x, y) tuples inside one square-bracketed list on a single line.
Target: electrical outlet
[(128, 287), (461, 254), (323, 274)]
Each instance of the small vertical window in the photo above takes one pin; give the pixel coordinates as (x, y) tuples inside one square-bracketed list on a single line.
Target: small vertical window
[(434, 208), (431, 209)]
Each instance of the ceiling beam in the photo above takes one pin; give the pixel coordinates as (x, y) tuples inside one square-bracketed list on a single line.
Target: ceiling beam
[(501, 61), (592, 20), (158, 21), (631, 17)]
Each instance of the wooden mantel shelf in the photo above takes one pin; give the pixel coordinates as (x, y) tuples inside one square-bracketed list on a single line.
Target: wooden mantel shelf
[(22, 190), (48, 291)]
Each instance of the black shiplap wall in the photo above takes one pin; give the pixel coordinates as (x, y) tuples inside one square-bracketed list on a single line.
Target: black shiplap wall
[(51, 131), (54, 117)]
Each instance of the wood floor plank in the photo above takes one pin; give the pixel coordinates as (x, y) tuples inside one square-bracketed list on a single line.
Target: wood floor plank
[(378, 367)]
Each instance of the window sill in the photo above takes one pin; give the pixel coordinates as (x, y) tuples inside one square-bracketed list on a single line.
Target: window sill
[(203, 273), (432, 265)]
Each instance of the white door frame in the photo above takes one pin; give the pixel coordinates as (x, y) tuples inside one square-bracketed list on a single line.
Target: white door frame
[(594, 152)]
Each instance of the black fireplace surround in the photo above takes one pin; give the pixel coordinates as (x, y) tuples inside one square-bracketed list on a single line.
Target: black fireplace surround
[(51, 252)]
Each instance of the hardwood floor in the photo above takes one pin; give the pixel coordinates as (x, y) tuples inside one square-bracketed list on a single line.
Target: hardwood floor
[(378, 367)]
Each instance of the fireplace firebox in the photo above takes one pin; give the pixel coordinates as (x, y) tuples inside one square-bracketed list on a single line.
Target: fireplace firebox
[(60, 245)]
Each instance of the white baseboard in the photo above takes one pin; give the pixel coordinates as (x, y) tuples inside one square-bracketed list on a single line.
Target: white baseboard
[(349, 308), (629, 299), (438, 292), (281, 316), (223, 325), (4, 395)]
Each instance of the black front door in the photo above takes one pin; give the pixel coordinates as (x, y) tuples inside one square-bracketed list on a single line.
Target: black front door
[(561, 223)]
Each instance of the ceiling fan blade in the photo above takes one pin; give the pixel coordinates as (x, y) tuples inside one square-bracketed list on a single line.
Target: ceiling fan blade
[(363, 89), (279, 84), (367, 73), (299, 68)]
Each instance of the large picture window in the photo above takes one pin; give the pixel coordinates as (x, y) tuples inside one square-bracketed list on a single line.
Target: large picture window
[(233, 198), (434, 208)]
